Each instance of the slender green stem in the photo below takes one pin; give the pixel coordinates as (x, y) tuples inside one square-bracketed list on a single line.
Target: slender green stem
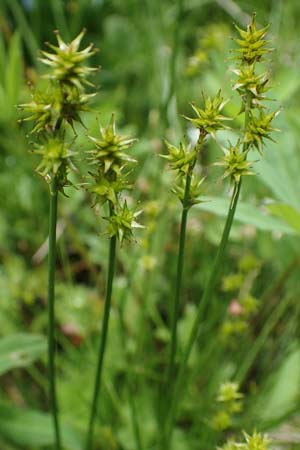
[(104, 332), (131, 379), (51, 311), (180, 261), (171, 372), (207, 294)]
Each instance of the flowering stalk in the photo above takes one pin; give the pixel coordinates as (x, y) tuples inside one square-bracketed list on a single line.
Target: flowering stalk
[(188, 190), (257, 127), (181, 246), (104, 332), (51, 112), (51, 312), (108, 183)]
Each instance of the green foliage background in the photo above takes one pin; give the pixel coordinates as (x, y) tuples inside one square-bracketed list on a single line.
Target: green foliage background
[(156, 56)]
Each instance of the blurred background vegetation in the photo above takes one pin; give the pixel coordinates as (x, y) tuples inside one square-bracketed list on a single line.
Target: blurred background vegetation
[(156, 56)]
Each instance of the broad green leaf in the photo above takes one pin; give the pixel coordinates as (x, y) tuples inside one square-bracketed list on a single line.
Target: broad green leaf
[(279, 167), (281, 396), (245, 213), (287, 213), (20, 350), (288, 84), (33, 428)]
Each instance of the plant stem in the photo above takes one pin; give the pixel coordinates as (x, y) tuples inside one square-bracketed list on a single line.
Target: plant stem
[(131, 379), (207, 294), (104, 332), (51, 311), (180, 261), (171, 371)]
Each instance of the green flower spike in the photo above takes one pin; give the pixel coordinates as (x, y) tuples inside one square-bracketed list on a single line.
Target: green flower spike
[(196, 191), (229, 392), (250, 82), (209, 120), (105, 189), (256, 442), (123, 222), (73, 102), (259, 128), (56, 158), (66, 62), (47, 108), (109, 151), (44, 110), (235, 163), (180, 158), (252, 43)]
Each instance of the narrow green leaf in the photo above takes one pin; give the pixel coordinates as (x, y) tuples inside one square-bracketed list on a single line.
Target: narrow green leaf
[(287, 213), (13, 71), (245, 213)]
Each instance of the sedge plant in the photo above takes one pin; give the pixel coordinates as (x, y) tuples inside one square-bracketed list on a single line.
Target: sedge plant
[(109, 179), (252, 86), (53, 111), (188, 188)]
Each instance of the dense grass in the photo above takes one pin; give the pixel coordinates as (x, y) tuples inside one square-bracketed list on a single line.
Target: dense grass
[(156, 57)]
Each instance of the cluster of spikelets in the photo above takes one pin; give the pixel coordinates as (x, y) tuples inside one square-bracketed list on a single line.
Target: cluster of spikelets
[(110, 162), (208, 120), (183, 159), (60, 104), (229, 401), (252, 87)]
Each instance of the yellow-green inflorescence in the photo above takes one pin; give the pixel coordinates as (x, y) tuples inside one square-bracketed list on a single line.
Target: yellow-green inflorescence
[(60, 104), (183, 159), (243, 305), (235, 163), (66, 62), (110, 160), (253, 87), (209, 119), (256, 441), (229, 401)]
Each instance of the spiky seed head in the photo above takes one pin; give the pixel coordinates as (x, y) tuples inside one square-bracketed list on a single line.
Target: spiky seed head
[(260, 128), (66, 63), (235, 163), (56, 158), (252, 45), (109, 152), (195, 192), (208, 119), (180, 158), (123, 222)]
